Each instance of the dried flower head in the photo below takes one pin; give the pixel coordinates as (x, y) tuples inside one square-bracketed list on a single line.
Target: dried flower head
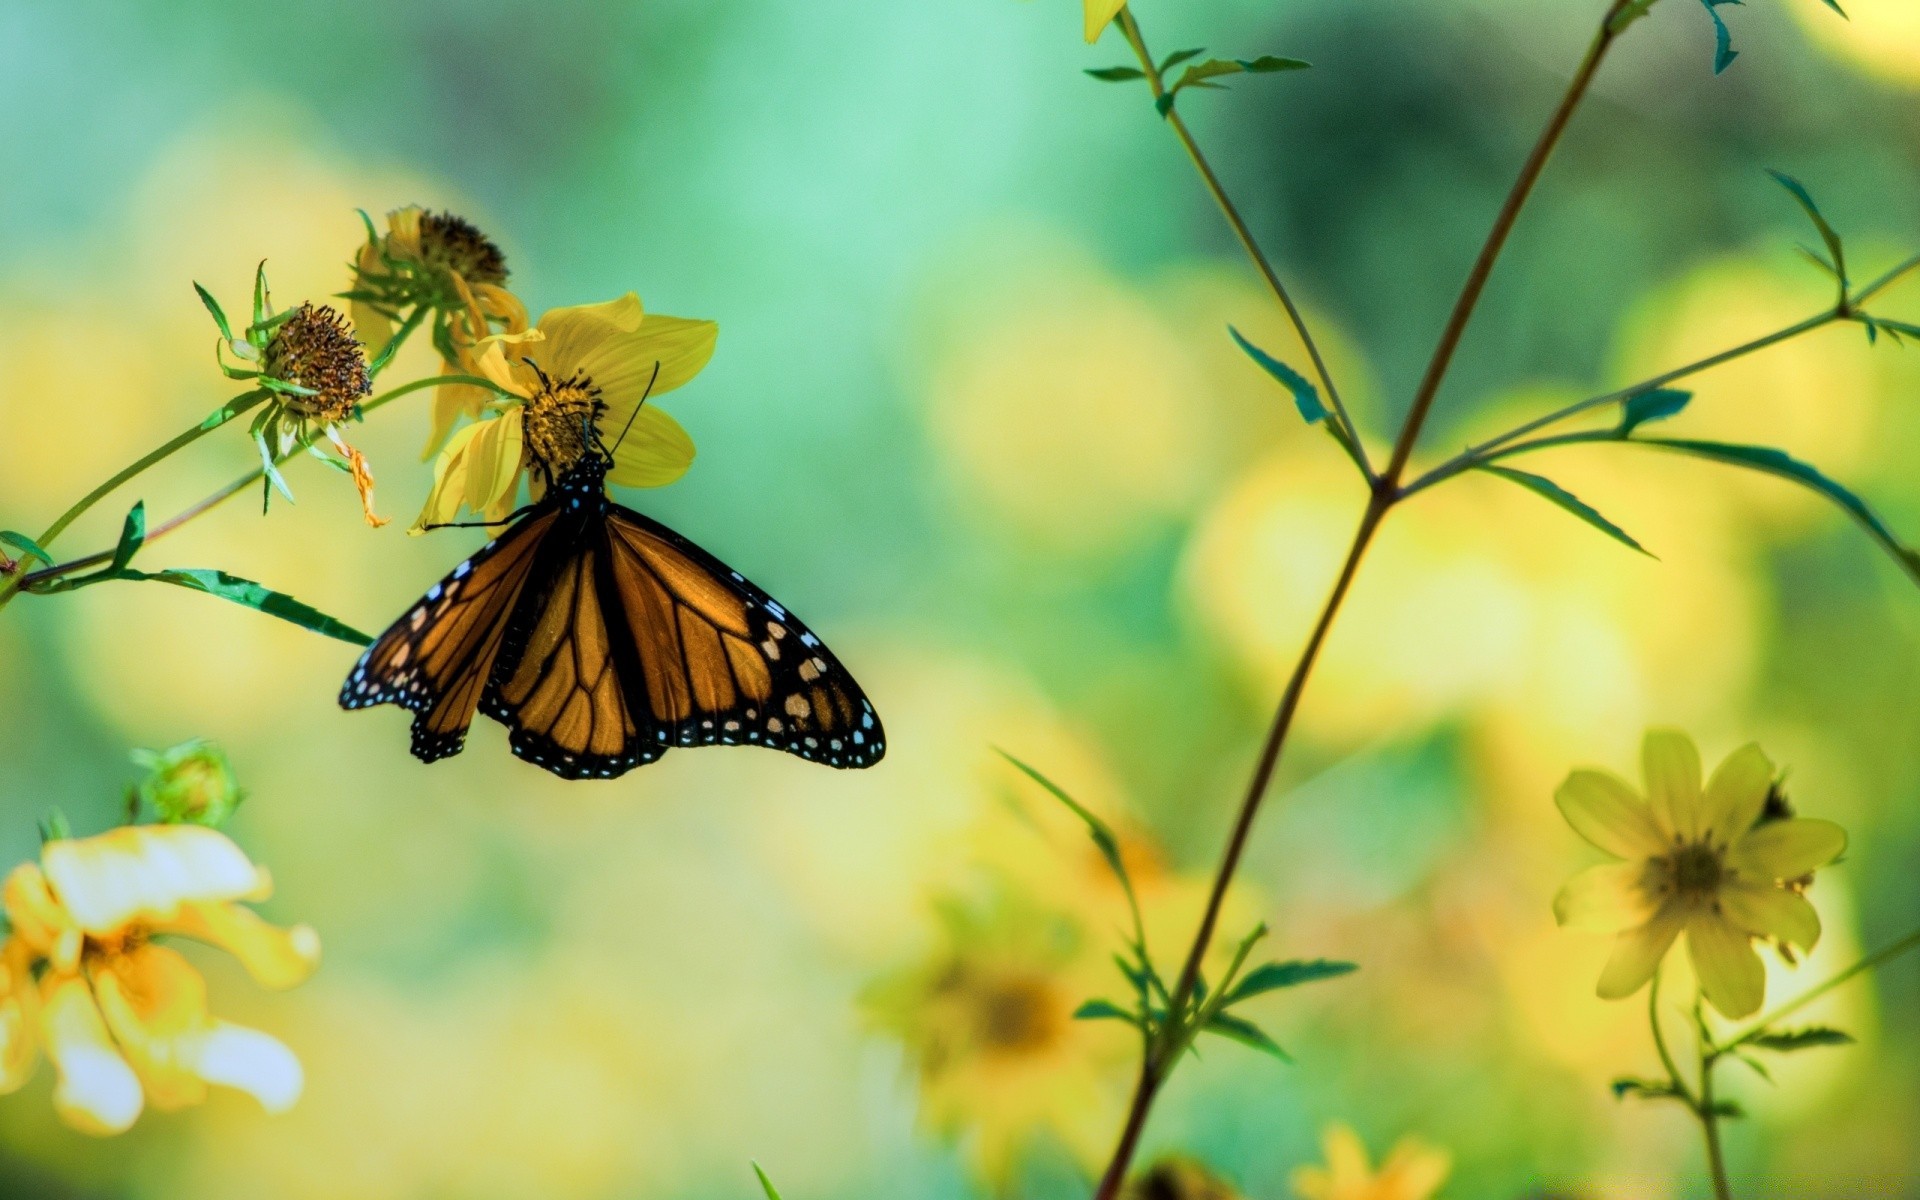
[(315, 350)]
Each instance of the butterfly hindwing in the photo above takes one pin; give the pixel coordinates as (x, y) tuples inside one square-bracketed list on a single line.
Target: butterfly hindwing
[(435, 660), (720, 662)]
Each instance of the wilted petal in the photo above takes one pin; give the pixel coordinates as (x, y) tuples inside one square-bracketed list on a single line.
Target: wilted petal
[(1732, 978), (1603, 809), (275, 957), (1672, 768), (1100, 14), (249, 1061), (1736, 794), (1608, 898), (1788, 849), (654, 452), (97, 1091), (1771, 912), (1636, 956), (146, 871), (154, 1002)]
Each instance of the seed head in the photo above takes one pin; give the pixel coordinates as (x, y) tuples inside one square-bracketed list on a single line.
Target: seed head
[(316, 349)]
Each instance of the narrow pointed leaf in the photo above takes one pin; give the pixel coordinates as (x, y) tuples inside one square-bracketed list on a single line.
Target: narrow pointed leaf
[(27, 547), (255, 596), (213, 308), (1276, 975), (766, 1185), (1103, 1010), (1787, 1041), (1306, 397), (1100, 832), (1268, 64), (1245, 1032), (1656, 405), (133, 533), (1116, 74), (1179, 56), (1804, 199), (1723, 51), (1547, 489)]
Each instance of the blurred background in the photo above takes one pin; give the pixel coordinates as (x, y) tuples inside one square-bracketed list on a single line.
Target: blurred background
[(975, 416)]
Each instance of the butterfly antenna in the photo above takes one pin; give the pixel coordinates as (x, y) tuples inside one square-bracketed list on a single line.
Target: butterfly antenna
[(651, 380)]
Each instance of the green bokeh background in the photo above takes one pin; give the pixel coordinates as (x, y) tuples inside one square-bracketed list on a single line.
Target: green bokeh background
[(547, 990)]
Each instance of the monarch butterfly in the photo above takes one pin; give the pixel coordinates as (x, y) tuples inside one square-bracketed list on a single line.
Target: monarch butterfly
[(602, 639)]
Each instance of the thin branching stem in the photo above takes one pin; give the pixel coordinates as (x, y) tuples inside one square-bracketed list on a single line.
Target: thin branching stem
[(1131, 28), (1768, 1022), (1159, 1063)]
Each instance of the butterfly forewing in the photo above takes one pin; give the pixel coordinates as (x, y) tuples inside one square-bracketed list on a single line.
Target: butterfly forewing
[(436, 660)]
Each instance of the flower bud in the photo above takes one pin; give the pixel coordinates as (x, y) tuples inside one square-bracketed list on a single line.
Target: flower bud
[(189, 784)]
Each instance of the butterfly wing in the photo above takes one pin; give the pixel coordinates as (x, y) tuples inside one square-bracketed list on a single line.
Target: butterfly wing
[(557, 685), (435, 660), (718, 662)]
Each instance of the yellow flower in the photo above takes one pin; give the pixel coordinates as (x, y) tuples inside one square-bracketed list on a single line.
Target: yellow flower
[(123, 1018), (1100, 14), (1414, 1171), (1692, 859), (581, 376), (1178, 1178), (987, 1024), (444, 264)]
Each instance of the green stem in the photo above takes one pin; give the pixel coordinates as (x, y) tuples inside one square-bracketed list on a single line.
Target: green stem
[(245, 481), (392, 349), (1231, 212), (1878, 958), (1660, 1043), (1707, 1109)]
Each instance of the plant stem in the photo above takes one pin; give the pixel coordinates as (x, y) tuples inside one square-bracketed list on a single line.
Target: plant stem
[(1231, 212), (1710, 1126), (1385, 494), (241, 484), (1878, 958)]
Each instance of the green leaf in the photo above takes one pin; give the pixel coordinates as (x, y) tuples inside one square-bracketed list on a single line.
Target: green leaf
[(1098, 829), (255, 596), (1755, 1065), (1104, 1010), (54, 827), (1778, 463), (1202, 75), (1116, 74), (1835, 6), (1179, 56), (1306, 397), (1245, 1032), (1788, 1041), (1546, 488), (1628, 15), (1655, 405), (1276, 975), (766, 1185), (1268, 64), (27, 547), (231, 409), (260, 299), (1723, 51), (1805, 199), (213, 307), (1645, 1089), (133, 533)]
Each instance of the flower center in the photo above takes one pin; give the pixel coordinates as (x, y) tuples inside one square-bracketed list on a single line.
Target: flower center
[(560, 421), (122, 941), (1696, 871), (315, 349), (454, 244), (1016, 1015)]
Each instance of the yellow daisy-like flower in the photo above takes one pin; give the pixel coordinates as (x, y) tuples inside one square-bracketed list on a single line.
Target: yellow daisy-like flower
[(1413, 1171), (123, 1018), (1693, 859), (987, 1023), (1100, 14), (445, 264), (581, 376)]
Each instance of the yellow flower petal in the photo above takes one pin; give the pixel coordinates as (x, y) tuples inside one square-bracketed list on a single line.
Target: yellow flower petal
[(573, 332), (403, 231), (248, 1061), (146, 871), (1736, 794), (1100, 14), (451, 401), (153, 1001), (1732, 978), (493, 463), (370, 325), (1672, 768), (19, 1015), (275, 957), (38, 920), (622, 367), (1771, 912), (1609, 898), (97, 1091), (1788, 849), (1414, 1171), (501, 305), (1605, 811), (654, 453), (449, 489), (1636, 955)]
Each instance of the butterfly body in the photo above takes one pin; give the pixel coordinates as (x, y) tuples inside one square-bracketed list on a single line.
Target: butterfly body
[(602, 639)]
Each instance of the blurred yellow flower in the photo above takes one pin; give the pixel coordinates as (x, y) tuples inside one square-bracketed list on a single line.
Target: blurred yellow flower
[(1100, 14), (1883, 36), (444, 264), (124, 1019), (1693, 859), (1413, 1171), (580, 377), (987, 1023)]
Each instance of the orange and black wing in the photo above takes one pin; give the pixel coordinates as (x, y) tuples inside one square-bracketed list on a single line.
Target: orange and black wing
[(711, 660), (436, 660), (558, 684)]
